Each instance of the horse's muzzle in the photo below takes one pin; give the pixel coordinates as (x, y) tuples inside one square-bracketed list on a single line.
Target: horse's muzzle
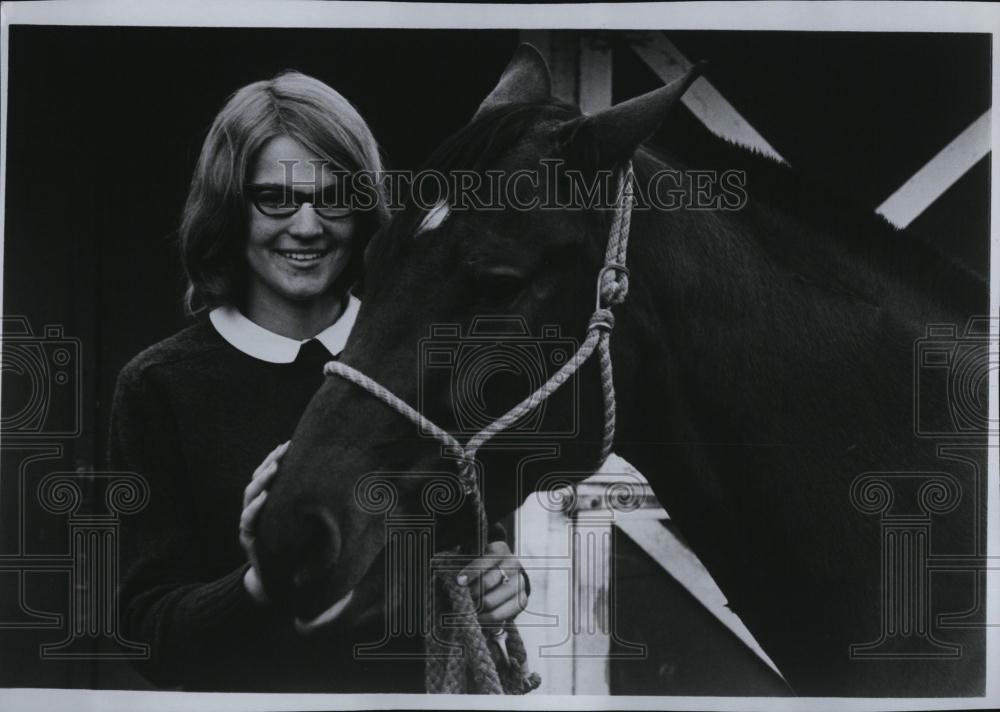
[(301, 571)]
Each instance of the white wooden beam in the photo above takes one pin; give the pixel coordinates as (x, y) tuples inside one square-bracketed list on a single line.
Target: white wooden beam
[(591, 615), (567, 555), (703, 99), (543, 546), (679, 561), (940, 173), (595, 73)]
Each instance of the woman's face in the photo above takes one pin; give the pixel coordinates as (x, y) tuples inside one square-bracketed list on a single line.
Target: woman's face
[(295, 258)]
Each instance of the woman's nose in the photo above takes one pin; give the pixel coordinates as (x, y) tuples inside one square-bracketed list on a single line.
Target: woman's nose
[(305, 222)]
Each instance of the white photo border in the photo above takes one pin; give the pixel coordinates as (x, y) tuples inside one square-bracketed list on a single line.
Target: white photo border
[(953, 17)]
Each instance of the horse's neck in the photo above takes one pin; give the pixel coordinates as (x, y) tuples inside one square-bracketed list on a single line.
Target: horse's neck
[(754, 387), (678, 303), (725, 338)]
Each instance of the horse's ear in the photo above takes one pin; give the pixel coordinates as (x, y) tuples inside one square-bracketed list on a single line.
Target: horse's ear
[(526, 79), (614, 134)]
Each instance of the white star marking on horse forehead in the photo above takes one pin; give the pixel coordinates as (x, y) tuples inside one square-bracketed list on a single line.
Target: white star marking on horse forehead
[(433, 219)]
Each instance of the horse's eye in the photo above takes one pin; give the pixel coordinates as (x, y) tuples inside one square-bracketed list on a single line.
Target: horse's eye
[(500, 284)]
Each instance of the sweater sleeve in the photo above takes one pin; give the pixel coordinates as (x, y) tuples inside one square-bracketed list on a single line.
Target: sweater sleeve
[(196, 626)]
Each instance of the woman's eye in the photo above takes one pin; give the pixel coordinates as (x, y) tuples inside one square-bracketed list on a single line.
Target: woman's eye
[(272, 199)]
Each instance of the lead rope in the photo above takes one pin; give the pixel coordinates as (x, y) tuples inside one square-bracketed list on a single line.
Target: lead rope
[(459, 659)]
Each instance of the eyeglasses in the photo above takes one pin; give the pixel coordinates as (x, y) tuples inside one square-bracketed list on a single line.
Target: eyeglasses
[(276, 201)]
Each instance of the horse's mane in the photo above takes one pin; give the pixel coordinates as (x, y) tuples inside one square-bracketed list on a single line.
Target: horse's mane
[(476, 146), (829, 212), (491, 135)]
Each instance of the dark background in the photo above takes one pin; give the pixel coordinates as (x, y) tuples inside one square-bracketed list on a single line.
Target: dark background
[(105, 124)]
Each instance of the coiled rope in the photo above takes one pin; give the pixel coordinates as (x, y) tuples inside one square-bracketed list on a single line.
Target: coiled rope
[(459, 658)]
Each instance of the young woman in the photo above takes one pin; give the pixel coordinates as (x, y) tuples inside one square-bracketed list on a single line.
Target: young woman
[(271, 250)]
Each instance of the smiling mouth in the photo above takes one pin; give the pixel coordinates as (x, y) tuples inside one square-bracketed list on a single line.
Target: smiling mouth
[(303, 256)]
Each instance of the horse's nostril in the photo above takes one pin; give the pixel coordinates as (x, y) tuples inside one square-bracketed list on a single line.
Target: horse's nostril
[(320, 547)]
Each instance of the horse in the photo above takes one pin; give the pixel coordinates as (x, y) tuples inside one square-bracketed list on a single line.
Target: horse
[(763, 368)]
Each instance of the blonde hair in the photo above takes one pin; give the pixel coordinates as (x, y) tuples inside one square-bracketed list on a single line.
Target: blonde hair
[(213, 229)]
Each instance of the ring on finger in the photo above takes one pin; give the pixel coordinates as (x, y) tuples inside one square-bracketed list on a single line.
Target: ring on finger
[(504, 578)]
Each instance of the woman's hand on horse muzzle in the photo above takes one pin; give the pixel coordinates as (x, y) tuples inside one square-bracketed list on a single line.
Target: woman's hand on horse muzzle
[(253, 499)]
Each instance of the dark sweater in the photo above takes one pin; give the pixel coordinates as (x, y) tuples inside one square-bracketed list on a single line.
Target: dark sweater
[(195, 416)]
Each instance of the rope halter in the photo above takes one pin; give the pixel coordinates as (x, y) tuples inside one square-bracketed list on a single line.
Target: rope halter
[(612, 288)]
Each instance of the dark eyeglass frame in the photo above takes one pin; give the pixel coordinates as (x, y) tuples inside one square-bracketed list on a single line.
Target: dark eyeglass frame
[(292, 200)]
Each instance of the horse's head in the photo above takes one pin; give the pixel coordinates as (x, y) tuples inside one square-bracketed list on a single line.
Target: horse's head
[(471, 301)]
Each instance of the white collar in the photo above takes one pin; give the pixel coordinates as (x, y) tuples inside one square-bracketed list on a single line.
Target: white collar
[(254, 340)]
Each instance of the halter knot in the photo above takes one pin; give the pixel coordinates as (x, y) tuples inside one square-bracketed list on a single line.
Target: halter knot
[(602, 319), (467, 475), (612, 285), (614, 292)]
